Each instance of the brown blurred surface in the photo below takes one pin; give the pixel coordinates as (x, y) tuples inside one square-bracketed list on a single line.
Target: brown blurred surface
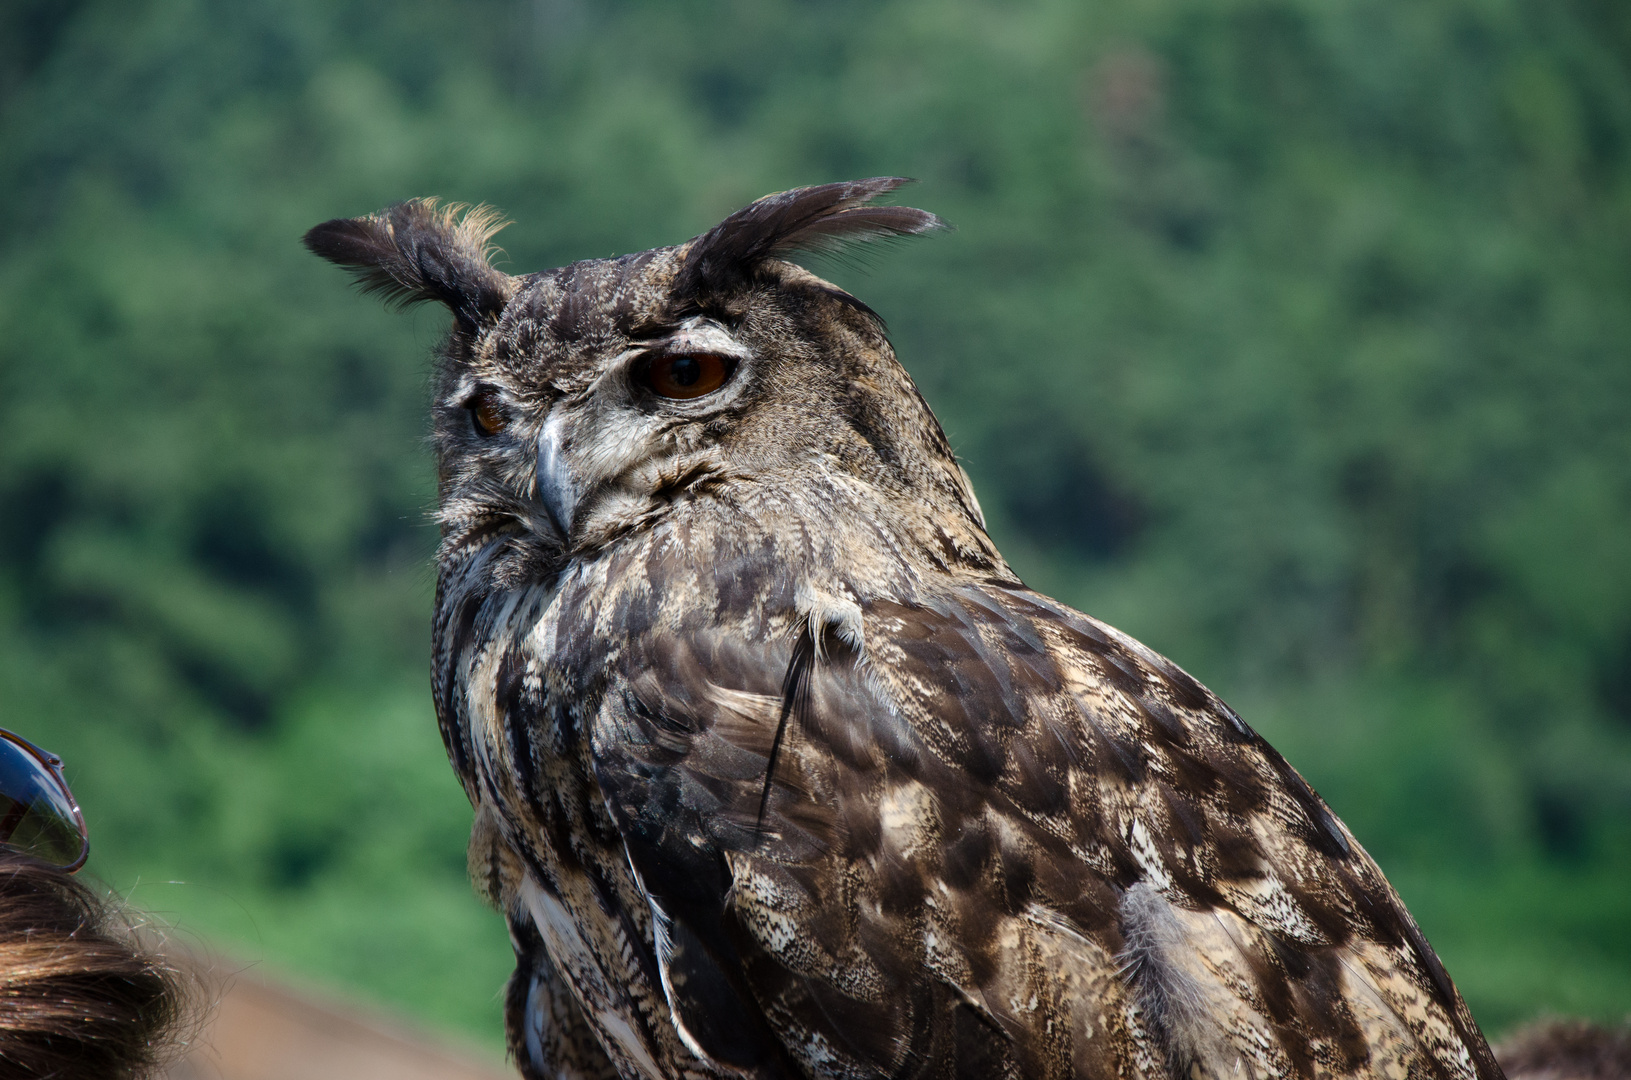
[(262, 1030), (1562, 1049)]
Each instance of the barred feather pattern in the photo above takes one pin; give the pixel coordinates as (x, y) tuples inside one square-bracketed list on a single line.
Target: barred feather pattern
[(779, 771)]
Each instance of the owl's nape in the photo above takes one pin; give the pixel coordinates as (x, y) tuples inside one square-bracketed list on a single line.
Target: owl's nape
[(779, 770)]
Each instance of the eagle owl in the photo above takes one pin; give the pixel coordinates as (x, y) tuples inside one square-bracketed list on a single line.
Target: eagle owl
[(780, 771)]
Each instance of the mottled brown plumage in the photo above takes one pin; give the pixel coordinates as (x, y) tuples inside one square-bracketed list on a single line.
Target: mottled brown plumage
[(780, 771)]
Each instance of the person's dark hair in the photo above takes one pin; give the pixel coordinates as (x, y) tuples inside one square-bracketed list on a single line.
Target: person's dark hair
[(81, 996), (1566, 1050)]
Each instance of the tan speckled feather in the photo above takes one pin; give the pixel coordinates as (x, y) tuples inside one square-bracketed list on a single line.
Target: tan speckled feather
[(778, 769)]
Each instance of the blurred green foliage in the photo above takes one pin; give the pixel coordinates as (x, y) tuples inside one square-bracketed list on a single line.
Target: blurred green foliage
[(1288, 335)]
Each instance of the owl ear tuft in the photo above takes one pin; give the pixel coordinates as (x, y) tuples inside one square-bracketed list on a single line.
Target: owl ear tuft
[(416, 251), (822, 218)]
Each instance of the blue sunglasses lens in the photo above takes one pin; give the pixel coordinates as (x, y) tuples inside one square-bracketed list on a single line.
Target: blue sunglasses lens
[(37, 815)]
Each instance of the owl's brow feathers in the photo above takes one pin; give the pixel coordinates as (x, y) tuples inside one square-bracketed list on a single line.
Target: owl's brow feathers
[(807, 219), (417, 250)]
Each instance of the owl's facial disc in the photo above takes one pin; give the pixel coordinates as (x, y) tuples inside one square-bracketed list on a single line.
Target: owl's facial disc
[(613, 436)]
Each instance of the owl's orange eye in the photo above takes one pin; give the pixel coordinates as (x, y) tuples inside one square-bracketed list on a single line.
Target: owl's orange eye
[(487, 413), (687, 375)]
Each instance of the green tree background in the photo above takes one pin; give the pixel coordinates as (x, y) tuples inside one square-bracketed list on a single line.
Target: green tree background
[(1288, 335)]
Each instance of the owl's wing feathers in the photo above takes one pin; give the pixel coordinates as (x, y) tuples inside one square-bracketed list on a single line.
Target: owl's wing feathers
[(1008, 840), (549, 1037)]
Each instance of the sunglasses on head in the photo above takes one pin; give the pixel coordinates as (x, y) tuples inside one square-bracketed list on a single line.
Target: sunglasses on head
[(38, 815)]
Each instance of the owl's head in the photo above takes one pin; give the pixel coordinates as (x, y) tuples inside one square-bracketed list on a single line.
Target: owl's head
[(577, 405)]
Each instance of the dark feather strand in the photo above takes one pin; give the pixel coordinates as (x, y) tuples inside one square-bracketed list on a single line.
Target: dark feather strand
[(795, 698)]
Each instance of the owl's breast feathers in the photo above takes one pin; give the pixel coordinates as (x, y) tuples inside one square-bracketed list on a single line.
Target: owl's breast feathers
[(997, 837)]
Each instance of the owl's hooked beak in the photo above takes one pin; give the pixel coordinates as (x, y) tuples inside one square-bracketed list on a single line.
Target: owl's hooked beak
[(557, 487)]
